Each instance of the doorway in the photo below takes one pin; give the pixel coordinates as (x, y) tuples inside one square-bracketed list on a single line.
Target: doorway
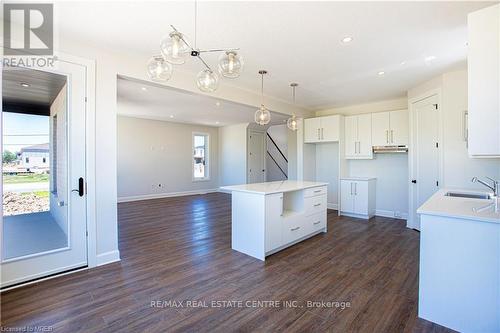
[(44, 228), (425, 166)]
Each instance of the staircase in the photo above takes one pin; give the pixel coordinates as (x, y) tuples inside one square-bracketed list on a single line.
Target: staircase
[(276, 161)]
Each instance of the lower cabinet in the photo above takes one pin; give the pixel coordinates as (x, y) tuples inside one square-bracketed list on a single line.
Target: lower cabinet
[(357, 197)]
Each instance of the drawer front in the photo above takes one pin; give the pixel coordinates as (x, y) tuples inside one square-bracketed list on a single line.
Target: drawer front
[(316, 222), (315, 204), (314, 191), (294, 228)]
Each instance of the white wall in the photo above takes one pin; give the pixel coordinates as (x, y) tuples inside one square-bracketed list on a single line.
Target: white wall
[(155, 158), (327, 170), (379, 106), (233, 154), (458, 167), (279, 133)]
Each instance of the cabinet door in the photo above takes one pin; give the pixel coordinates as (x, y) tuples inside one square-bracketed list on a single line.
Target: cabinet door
[(381, 128), (274, 221), (365, 136), (312, 130), (330, 128), (347, 196), (351, 136), (361, 197), (400, 125)]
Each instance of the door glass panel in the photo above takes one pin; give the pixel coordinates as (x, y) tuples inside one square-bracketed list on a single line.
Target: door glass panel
[(34, 163)]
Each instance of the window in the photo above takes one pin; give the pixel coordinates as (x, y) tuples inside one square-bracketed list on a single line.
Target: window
[(200, 156)]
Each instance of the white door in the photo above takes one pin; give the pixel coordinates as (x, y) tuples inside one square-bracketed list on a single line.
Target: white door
[(256, 157), (425, 179), (330, 128), (351, 135), (399, 128), (312, 130), (365, 135), (380, 128), (67, 213), (361, 198), (347, 196)]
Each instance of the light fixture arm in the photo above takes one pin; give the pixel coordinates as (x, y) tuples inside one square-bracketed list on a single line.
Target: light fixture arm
[(219, 50), (194, 52)]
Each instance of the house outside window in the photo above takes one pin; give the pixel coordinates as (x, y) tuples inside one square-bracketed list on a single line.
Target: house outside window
[(201, 155)]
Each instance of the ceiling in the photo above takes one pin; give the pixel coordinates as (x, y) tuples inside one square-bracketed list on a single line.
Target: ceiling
[(295, 41), (146, 100), (35, 98)]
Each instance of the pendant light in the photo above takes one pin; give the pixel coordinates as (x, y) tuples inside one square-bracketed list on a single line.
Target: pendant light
[(174, 48), (262, 115), (159, 70), (207, 81), (291, 123)]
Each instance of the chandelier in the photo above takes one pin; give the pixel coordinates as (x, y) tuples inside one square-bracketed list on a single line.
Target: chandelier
[(175, 49), (262, 115)]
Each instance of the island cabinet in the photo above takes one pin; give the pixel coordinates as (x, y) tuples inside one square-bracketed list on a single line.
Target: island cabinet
[(268, 217), (483, 61), (322, 129)]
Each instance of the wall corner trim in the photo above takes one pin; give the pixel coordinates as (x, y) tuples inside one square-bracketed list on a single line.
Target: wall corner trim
[(108, 257)]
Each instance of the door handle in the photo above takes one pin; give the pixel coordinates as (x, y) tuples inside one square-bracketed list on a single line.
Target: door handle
[(316, 205), (386, 136), (392, 136), (414, 181), (81, 187), (317, 222), (294, 229)]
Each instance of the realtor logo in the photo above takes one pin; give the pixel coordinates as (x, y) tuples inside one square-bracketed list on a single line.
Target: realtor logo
[(28, 29)]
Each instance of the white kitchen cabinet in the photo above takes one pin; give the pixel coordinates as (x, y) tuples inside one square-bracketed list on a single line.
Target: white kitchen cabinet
[(483, 63), (357, 197), (358, 137), (390, 128), (322, 129)]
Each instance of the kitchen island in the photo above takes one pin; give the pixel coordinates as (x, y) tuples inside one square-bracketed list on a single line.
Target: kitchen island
[(268, 217), (459, 278)]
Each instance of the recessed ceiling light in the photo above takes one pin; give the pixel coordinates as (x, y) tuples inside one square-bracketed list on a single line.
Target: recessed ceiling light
[(430, 58), (381, 73), (347, 39), (403, 63), (144, 88), (171, 116), (24, 84), (217, 103), (216, 123)]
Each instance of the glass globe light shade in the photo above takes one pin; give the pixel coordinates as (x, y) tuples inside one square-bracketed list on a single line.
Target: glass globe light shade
[(174, 49), (262, 116), (207, 81), (159, 70), (291, 123), (230, 64)]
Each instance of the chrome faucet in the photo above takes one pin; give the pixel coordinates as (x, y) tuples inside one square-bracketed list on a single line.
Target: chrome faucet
[(495, 187)]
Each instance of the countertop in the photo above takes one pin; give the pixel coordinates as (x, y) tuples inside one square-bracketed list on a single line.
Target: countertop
[(358, 178), (273, 187), (441, 205)]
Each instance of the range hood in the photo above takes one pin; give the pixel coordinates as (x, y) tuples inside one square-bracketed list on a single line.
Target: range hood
[(390, 149)]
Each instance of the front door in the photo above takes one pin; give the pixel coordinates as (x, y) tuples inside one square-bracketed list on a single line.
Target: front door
[(44, 204)]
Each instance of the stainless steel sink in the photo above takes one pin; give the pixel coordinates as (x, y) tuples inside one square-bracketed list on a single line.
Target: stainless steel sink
[(468, 195)]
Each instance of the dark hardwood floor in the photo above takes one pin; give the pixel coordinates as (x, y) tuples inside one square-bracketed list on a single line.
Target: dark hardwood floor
[(179, 249)]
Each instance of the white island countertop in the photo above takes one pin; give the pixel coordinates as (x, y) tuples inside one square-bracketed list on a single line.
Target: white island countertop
[(466, 208), (273, 187)]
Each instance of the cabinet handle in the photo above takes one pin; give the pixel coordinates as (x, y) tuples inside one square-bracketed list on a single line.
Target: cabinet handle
[(322, 133), (318, 134), (316, 205), (386, 136), (317, 222), (392, 136), (294, 229), (317, 191), (351, 188), (355, 188)]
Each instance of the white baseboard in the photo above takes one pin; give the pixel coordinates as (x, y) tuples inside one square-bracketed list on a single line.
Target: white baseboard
[(332, 206), (164, 195), (108, 257), (390, 214)]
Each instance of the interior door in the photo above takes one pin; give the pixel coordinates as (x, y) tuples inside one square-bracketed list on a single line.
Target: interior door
[(312, 129), (399, 128), (426, 158), (66, 194), (256, 157), (351, 135), (380, 128), (365, 135)]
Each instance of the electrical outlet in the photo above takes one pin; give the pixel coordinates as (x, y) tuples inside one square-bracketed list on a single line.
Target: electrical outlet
[(397, 214), (160, 185)]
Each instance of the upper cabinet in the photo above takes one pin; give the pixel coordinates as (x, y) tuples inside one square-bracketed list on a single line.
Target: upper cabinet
[(390, 128), (484, 82), (322, 129), (358, 137)]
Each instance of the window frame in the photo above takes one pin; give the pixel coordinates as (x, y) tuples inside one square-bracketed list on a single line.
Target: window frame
[(207, 157)]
